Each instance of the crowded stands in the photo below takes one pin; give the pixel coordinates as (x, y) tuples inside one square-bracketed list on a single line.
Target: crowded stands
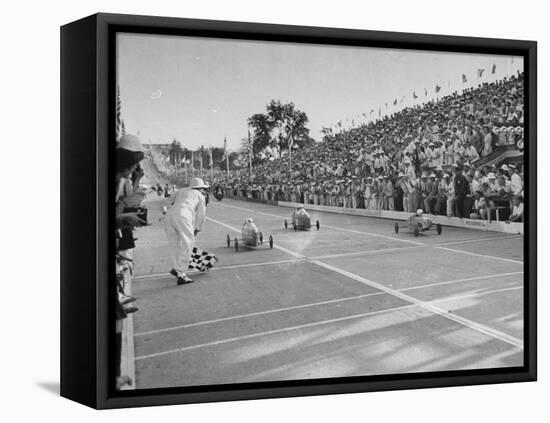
[(460, 155)]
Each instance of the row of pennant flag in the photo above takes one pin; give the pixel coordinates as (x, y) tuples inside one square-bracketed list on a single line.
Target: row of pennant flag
[(415, 96)]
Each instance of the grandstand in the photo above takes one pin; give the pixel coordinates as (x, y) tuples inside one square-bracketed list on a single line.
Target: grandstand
[(353, 298), (351, 168)]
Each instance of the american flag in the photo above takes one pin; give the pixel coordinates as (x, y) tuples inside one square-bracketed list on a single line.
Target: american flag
[(120, 129)]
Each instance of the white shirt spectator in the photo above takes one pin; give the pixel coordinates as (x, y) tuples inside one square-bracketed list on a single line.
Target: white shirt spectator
[(487, 144), (516, 186)]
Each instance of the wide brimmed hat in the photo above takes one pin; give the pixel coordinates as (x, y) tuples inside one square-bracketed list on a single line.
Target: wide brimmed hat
[(197, 183), (131, 143)]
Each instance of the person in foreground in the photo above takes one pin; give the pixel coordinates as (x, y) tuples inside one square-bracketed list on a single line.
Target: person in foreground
[(184, 219)]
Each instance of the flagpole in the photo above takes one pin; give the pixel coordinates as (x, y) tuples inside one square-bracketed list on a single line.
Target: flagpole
[(290, 161), (227, 162), (211, 165), (249, 153)]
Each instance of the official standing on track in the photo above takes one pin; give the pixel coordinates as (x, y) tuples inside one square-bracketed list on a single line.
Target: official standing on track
[(184, 219)]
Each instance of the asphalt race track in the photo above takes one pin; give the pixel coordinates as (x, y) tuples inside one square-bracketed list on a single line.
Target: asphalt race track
[(353, 298)]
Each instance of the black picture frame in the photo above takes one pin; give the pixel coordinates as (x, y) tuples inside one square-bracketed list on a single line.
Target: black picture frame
[(87, 119)]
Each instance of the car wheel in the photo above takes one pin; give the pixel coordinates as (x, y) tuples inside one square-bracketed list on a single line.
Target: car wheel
[(438, 228), (295, 227), (228, 241), (270, 241), (318, 225), (396, 227), (416, 231), (261, 236), (286, 224), (236, 244)]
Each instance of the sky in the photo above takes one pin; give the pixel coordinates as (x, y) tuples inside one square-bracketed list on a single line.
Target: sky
[(202, 90)]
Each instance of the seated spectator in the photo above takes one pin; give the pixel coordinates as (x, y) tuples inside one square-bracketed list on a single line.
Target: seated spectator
[(517, 211), (480, 207)]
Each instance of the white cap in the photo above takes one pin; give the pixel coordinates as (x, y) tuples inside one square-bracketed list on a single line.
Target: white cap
[(131, 143), (197, 183)]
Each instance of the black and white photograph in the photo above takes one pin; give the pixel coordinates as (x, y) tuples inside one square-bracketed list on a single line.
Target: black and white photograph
[(298, 211)]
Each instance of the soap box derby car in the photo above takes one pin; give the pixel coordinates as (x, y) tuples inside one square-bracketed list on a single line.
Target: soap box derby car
[(250, 237), (418, 223), (301, 220)]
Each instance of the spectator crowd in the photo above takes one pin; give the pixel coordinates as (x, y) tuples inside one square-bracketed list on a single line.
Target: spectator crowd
[(129, 215), (445, 156)]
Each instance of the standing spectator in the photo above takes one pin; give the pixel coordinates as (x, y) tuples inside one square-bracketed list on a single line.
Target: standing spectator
[(448, 159), (432, 193), (368, 193), (461, 187), (516, 184), (450, 194), (388, 194), (470, 153), (399, 193), (487, 141)]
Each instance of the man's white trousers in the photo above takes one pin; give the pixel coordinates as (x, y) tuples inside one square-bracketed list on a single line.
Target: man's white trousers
[(179, 231)]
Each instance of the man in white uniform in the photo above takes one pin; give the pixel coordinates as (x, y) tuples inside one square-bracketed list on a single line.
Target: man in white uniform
[(184, 219)]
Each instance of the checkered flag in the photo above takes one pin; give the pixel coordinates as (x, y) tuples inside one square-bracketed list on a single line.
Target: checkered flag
[(201, 260)]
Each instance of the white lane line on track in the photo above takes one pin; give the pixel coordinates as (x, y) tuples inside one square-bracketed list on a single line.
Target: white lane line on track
[(469, 253), (427, 306), (259, 313), (354, 231), (310, 325), (367, 252), (273, 332), (399, 249), (472, 240), (476, 294), (230, 267), (236, 207), (434, 309), (157, 242), (301, 306), (475, 278)]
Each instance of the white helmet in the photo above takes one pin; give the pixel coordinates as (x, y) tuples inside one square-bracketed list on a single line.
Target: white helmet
[(197, 183), (419, 212), (131, 143)]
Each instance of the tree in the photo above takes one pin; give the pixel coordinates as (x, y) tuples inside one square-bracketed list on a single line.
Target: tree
[(281, 124), (175, 152)]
